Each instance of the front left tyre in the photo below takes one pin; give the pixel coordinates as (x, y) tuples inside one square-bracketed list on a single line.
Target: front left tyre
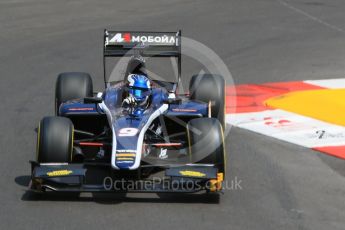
[(55, 140)]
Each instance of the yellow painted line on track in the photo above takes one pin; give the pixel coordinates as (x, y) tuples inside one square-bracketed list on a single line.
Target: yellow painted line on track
[(325, 104)]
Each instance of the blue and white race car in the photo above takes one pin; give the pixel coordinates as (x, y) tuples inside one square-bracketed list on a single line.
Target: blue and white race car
[(139, 134)]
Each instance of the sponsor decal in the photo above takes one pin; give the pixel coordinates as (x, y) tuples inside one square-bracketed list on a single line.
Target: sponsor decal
[(128, 132), (126, 151), (323, 134), (124, 162), (80, 109), (129, 38), (185, 110), (124, 159), (163, 154), (59, 173), (192, 173), (125, 155)]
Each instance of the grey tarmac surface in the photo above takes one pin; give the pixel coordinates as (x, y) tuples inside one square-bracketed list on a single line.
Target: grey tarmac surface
[(283, 186)]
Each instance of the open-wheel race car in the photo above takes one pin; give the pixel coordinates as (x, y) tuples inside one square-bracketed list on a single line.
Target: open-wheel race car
[(139, 134)]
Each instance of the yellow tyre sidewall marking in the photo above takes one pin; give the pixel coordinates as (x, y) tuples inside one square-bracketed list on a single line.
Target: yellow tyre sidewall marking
[(224, 155), (189, 144), (72, 144)]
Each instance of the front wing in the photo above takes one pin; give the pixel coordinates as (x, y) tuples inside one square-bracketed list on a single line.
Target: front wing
[(73, 178)]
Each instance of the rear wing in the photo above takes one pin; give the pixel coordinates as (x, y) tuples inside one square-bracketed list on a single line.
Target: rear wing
[(147, 44), (126, 43)]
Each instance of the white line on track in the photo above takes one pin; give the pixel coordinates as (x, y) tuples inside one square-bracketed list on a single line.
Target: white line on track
[(286, 4)]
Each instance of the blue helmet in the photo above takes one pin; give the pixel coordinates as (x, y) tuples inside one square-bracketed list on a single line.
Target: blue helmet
[(139, 86)]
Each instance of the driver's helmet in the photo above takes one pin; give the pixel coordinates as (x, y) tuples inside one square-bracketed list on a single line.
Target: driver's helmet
[(139, 87)]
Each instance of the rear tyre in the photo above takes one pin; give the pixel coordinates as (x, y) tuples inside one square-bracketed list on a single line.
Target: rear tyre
[(206, 142), (70, 86), (210, 88), (55, 140)]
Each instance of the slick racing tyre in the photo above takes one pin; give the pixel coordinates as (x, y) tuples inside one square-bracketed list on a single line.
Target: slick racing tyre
[(55, 140), (72, 86), (210, 88), (206, 142)]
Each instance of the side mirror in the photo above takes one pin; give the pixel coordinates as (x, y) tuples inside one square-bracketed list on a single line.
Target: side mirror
[(92, 100)]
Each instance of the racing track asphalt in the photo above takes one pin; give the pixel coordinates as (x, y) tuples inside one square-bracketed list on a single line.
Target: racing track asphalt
[(283, 186)]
